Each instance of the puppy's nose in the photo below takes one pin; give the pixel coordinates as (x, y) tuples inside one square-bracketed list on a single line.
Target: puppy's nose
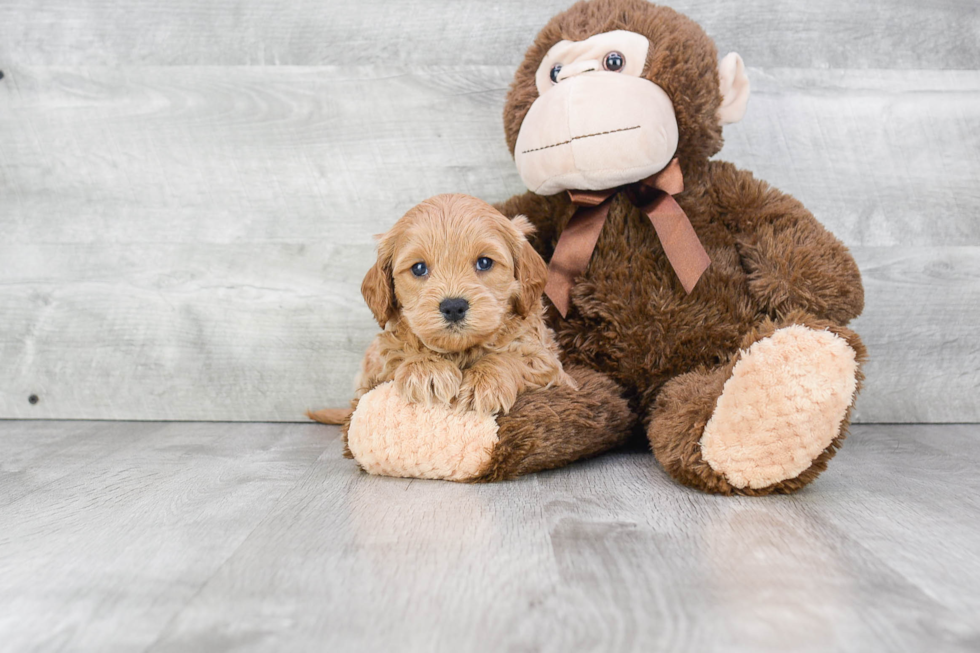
[(454, 308)]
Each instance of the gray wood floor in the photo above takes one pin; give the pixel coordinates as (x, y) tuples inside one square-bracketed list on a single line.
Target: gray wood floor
[(210, 537)]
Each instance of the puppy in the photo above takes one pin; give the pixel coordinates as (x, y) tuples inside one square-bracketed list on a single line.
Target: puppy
[(457, 290)]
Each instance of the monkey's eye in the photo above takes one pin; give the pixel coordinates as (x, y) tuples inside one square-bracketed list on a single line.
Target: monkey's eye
[(483, 264), (614, 62), (554, 72), (420, 269)]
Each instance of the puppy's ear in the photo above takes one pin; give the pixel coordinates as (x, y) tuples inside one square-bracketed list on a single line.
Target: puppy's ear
[(523, 225), (529, 268), (378, 287)]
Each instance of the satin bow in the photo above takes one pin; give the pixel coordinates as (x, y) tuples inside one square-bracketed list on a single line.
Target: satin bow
[(654, 197)]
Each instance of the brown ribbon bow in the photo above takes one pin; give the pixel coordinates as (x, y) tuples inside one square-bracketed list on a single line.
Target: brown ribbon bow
[(653, 196)]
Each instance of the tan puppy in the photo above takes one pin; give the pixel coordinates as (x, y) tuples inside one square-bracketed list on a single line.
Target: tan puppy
[(457, 290)]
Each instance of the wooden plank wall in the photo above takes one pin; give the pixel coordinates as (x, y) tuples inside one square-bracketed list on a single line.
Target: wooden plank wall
[(188, 190)]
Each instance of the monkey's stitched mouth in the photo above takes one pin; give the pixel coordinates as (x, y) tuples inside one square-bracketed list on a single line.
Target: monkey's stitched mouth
[(575, 138)]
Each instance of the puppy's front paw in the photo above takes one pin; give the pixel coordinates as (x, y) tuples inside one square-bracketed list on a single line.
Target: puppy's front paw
[(485, 390), (428, 381)]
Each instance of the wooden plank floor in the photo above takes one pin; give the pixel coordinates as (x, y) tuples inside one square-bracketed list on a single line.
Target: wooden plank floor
[(120, 536)]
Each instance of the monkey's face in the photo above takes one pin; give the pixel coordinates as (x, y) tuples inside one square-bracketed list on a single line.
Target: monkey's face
[(597, 122), (611, 90)]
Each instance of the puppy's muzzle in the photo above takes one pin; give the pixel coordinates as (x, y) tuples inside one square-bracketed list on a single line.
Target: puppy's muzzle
[(453, 309)]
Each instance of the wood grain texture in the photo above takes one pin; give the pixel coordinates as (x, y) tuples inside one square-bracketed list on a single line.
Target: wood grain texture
[(289, 154), (920, 327), (898, 34), (212, 537), (881, 158), (27, 449), (125, 534), (189, 244)]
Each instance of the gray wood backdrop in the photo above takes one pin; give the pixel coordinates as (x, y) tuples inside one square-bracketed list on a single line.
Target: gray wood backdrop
[(188, 189)]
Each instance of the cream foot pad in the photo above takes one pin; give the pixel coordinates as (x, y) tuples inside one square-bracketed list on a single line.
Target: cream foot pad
[(782, 406), (391, 437)]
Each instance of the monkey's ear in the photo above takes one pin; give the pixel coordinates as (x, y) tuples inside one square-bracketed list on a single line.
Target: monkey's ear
[(529, 269), (378, 287), (734, 89)]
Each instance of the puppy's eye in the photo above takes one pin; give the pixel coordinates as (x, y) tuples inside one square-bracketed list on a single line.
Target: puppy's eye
[(420, 269), (614, 62), (483, 264), (554, 72)]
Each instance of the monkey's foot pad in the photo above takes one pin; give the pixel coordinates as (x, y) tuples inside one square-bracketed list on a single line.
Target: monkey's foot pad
[(391, 437), (782, 406)]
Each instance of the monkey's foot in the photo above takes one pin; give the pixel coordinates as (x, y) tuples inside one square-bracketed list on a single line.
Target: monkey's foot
[(389, 436), (782, 406)]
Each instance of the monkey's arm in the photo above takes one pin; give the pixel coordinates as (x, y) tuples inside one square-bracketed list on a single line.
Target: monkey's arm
[(792, 261)]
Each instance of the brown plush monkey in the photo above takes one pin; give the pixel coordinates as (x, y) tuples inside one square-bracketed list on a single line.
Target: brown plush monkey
[(694, 303)]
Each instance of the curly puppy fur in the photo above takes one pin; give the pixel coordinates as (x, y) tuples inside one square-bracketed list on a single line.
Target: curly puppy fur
[(630, 319), (499, 349)]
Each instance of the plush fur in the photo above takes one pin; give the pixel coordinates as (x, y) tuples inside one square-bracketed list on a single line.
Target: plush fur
[(773, 265), (499, 349)]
